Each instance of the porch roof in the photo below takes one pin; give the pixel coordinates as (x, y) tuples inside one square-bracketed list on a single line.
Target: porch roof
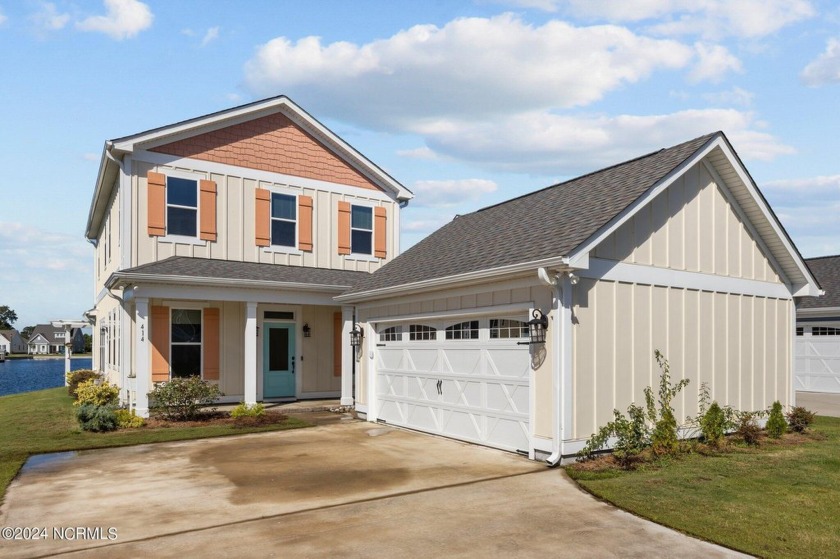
[(207, 271)]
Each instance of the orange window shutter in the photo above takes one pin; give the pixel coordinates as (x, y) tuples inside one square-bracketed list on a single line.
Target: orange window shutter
[(159, 337), (344, 228), (380, 232), (156, 186), (211, 344), (262, 217), (305, 223), (337, 344), (208, 210)]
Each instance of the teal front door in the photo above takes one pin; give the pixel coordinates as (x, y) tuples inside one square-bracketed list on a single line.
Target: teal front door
[(279, 361)]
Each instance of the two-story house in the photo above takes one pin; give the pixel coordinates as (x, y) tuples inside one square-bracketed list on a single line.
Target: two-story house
[(11, 341), (46, 338), (220, 244)]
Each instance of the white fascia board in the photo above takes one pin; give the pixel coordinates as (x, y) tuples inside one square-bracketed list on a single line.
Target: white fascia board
[(102, 188), (283, 104), (138, 278), (807, 290), (201, 166), (439, 283), (641, 201), (240, 294), (826, 312), (611, 270), (465, 313), (748, 183)]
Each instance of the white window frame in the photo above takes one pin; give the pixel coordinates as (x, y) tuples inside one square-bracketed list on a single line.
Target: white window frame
[(394, 335), (287, 192), (505, 339), (200, 344), (183, 239), (477, 330), (361, 255), (434, 329)]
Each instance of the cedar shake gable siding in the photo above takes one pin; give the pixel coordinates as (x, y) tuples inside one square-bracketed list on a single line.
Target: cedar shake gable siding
[(271, 143)]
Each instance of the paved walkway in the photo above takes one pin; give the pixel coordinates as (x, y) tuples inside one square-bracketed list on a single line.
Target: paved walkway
[(343, 489), (822, 403)]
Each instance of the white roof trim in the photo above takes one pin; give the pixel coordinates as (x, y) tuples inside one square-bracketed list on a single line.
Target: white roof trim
[(123, 278)]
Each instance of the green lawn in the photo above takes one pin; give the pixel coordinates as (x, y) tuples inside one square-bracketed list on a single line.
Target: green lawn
[(776, 501), (44, 421)]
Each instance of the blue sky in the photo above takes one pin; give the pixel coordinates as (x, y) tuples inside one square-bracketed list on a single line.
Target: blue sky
[(465, 102)]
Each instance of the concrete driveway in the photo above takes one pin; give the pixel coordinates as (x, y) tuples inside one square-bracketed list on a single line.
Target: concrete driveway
[(346, 488)]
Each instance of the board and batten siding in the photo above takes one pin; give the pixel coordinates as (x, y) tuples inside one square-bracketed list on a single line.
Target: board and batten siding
[(235, 208), (690, 226), (739, 345), (526, 292)]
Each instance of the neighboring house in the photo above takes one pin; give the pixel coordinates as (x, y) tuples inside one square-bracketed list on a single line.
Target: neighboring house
[(220, 244), (818, 331), (46, 338), (11, 342), (676, 250)]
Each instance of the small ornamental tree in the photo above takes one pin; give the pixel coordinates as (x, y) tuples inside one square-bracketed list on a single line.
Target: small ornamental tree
[(776, 424)]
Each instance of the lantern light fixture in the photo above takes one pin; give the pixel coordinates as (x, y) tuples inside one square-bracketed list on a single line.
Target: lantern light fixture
[(307, 331), (537, 327), (356, 335)]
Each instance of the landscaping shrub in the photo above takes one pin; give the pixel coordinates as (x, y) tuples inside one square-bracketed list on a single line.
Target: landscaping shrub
[(800, 418), (714, 424), (776, 424), (127, 419), (96, 418), (181, 399), (244, 410), (643, 428), (97, 393), (747, 428), (75, 378)]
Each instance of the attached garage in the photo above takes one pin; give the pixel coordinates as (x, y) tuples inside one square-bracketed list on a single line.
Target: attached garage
[(464, 377), (817, 367), (674, 251)]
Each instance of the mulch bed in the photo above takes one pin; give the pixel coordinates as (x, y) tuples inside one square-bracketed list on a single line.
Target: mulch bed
[(219, 418)]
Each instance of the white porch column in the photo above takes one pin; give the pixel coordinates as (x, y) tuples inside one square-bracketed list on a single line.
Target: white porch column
[(142, 350), (347, 357), (250, 353)]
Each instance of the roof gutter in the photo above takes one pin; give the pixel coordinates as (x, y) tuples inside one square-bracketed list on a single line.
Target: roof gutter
[(123, 278), (469, 277), (107, 158)]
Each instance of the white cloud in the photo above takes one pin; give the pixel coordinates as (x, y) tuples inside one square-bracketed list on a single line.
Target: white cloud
[(734, 96), (449, 193), (90, 156), (125, 19), (211, 35), (418, 153), (746, 19), (45, 275), (714, 62), (545, 143), (478, 67), (49, 19), (825, 69), (188, 32), (3, 18)]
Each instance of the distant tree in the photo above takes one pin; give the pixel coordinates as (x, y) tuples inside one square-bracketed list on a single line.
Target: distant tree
[(26, 333), (88, 343), (7, 318)]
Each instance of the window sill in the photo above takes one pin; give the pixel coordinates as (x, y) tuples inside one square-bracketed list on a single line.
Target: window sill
[(182, 240), (280, 249), (363, 257)]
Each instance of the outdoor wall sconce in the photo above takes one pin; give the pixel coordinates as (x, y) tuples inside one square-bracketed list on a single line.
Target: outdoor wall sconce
[(356, 335), (307, 331), (537, 327)]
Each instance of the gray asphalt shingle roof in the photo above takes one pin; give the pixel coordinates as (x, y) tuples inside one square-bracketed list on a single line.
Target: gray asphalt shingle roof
[(547, 223), (206, 268), (827, 271)]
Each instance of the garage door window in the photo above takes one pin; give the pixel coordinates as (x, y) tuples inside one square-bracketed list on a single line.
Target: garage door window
[(392, 334), (419, 332), (507, 328), (825, 331), (463, 331)]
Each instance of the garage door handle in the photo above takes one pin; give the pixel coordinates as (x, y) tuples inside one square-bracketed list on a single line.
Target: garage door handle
[(440, 387)]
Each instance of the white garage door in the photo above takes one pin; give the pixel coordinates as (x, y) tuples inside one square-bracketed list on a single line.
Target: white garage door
[(463, 378), (818, 358)]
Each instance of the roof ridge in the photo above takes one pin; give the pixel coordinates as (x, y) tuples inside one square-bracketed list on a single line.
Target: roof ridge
[(595, 172), (822, 257)]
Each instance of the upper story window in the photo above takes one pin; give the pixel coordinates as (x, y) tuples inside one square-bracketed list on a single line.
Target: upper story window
[(283, 220), (181, 207), (463, 331), (361, 230)]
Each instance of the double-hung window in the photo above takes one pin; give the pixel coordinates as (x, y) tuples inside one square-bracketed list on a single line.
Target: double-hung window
[(181, 207), (283, 220), (361, 230), (186, 343)]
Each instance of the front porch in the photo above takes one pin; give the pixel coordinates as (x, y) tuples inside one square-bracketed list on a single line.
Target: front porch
[(271, 342)]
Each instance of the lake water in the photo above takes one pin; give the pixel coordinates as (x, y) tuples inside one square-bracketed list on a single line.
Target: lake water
[(26, 375)]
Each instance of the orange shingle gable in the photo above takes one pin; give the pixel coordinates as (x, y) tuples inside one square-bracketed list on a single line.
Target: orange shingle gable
[(270, 143)]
